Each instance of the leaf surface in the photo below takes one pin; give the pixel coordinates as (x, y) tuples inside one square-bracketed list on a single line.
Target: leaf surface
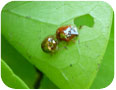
[(19, 65), (106, 71), (27, 25), (10, 79), (47, 84), (105, 74)]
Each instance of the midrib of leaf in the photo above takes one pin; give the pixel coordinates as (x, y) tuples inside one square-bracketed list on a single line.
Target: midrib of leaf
[(30, 18)]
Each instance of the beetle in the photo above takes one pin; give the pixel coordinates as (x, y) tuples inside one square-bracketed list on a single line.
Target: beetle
[(49, 44), (66, 33)]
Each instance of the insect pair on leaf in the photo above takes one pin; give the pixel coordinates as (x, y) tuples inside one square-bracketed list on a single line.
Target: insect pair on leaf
[(64, 33)]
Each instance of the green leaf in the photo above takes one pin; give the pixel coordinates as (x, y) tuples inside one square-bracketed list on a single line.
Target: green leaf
[(10, 79), (106, 71), (20, 66), (13, 4), (27, 25), (47, 84)]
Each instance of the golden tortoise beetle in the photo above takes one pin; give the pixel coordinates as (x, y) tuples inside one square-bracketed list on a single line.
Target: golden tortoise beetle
[(49, 44)]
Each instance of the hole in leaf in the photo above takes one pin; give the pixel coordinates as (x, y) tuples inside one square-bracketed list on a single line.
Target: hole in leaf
[(87, 20)]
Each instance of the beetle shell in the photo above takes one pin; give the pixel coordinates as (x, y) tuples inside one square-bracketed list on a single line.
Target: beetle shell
[(49, 44), (66, 33)]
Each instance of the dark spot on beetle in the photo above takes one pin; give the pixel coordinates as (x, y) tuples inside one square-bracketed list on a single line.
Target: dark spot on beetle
[(70, 65)]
